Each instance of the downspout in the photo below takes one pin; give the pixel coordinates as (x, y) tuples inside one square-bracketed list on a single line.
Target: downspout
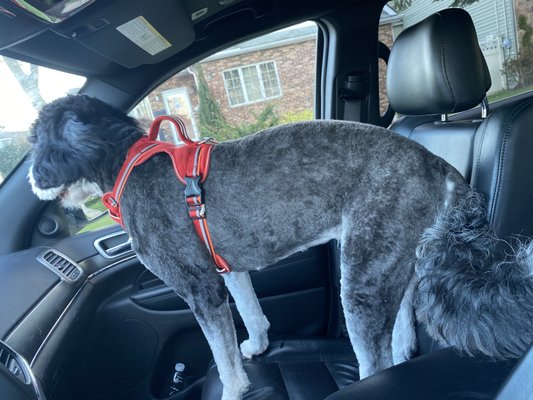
[(193, 116)]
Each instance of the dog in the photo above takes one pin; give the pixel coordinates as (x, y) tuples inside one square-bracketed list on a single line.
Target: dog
[(414, 239)]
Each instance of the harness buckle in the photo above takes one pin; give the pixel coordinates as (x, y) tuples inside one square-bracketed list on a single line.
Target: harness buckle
[(192, 186), (194, 198), (197, 211)]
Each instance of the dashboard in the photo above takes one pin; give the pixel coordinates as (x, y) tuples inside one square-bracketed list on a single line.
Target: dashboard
[(43, 309)]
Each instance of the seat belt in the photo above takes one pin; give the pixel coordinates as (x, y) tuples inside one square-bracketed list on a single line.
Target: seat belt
[(354, 94)]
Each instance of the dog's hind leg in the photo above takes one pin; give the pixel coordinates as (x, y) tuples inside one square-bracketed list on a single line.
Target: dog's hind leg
[(404, 342), (374, 275), (256, 323)]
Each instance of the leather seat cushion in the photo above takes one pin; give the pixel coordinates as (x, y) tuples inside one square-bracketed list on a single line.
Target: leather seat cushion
[(294, 369), (441, 375)]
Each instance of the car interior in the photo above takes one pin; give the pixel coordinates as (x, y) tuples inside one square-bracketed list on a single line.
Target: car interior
[(80, 316)]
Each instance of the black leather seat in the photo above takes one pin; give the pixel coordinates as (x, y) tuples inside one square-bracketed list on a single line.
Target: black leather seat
[(306, 369), (436, 67), (442, 375)]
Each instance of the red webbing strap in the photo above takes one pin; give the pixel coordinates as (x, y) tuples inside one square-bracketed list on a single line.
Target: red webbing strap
[(191, 164), (178, 124), (197, 168), (141, 150)]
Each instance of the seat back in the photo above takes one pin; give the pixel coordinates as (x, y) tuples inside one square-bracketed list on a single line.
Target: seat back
[(435, 68)]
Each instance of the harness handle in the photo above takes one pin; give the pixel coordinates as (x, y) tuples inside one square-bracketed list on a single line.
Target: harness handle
[(178, 124)]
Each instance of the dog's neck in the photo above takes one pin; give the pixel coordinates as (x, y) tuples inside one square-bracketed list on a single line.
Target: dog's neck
[(107, 175)]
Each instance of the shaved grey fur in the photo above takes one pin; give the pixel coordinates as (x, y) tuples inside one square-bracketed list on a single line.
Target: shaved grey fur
[(287, 188)]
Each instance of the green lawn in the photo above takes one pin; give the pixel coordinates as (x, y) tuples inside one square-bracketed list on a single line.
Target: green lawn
[(100, 222), (96, 212), (96, 204), (503, 94)]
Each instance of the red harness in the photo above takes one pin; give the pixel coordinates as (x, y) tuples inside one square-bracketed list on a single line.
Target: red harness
[(191, 164)]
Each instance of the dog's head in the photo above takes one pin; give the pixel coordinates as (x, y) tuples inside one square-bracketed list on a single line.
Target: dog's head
[(72, 139)]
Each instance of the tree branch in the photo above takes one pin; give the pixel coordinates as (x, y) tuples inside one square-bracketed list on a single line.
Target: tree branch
[(29, 82)]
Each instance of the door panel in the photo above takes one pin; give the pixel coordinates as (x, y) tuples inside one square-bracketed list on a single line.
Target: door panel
[(117, 331)]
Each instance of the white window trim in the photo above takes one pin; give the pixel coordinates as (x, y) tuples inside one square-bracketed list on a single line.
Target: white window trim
[(261, 85)]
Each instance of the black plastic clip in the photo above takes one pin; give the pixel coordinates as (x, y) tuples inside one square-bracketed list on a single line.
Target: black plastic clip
[(193, 186)]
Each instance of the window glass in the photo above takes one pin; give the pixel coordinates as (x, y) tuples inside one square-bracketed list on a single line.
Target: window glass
[(232, 79), (252, 83), (260, 83), (504, 30), (25, 88), (270, 79)]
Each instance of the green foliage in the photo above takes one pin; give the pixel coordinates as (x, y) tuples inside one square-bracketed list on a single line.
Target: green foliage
[(267, 118), (10, 155), (519, 70), (295, 116), (527, 29), (211, 120), (214, 125), (401, 5)]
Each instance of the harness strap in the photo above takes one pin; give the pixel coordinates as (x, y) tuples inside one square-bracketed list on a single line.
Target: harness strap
[(191, 165)]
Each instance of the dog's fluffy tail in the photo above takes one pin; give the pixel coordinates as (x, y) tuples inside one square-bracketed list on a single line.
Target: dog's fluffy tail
[(467, 298)]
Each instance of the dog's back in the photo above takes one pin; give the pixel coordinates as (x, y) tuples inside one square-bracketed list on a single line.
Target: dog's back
[(288, 187)]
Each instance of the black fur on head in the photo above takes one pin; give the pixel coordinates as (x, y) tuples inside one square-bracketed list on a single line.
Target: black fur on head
[(73, 139)]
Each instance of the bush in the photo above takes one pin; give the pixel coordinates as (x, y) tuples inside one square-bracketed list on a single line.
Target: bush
[(213, 124), (296, 116), (211, 120), (267, 118), (519, 70)]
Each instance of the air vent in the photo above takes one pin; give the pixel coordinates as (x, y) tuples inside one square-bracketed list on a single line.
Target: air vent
[(13, 364), (60, 264)]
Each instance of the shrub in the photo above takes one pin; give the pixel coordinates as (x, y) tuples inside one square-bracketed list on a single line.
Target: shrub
[(519, 70), (295, 116)]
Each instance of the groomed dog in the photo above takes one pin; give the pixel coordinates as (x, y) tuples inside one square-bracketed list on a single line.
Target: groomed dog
[(413, 235)]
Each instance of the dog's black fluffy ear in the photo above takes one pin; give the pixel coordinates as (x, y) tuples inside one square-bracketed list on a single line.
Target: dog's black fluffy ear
[(71, 139)]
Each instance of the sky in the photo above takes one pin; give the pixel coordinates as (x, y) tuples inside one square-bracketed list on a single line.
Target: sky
[(16, 111)]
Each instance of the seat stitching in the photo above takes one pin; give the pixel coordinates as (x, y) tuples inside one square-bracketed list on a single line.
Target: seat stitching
[(443, 58)]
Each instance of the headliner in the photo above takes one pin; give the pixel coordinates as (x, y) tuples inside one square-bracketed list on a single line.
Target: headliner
[(89, 44)]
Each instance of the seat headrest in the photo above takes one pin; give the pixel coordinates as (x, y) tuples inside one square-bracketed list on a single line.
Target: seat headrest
[(436, 66)]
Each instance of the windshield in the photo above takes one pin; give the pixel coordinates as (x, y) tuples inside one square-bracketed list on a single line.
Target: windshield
[(24, 89)]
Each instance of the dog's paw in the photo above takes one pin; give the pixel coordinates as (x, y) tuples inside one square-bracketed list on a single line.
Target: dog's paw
[(254, 347)]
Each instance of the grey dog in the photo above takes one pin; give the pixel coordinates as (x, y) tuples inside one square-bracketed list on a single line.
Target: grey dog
[(413, 236)]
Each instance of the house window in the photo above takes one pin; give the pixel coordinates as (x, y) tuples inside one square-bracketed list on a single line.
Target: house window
[(252, 83)]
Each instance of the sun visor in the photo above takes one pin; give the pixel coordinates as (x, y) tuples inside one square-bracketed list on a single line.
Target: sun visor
[(16, 25), (131, 33)]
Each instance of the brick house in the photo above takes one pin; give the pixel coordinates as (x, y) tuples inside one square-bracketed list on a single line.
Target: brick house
[(277, 69)]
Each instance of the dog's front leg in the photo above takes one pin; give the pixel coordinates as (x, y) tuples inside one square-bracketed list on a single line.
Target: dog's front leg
[(217, 325), (256, 323)]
